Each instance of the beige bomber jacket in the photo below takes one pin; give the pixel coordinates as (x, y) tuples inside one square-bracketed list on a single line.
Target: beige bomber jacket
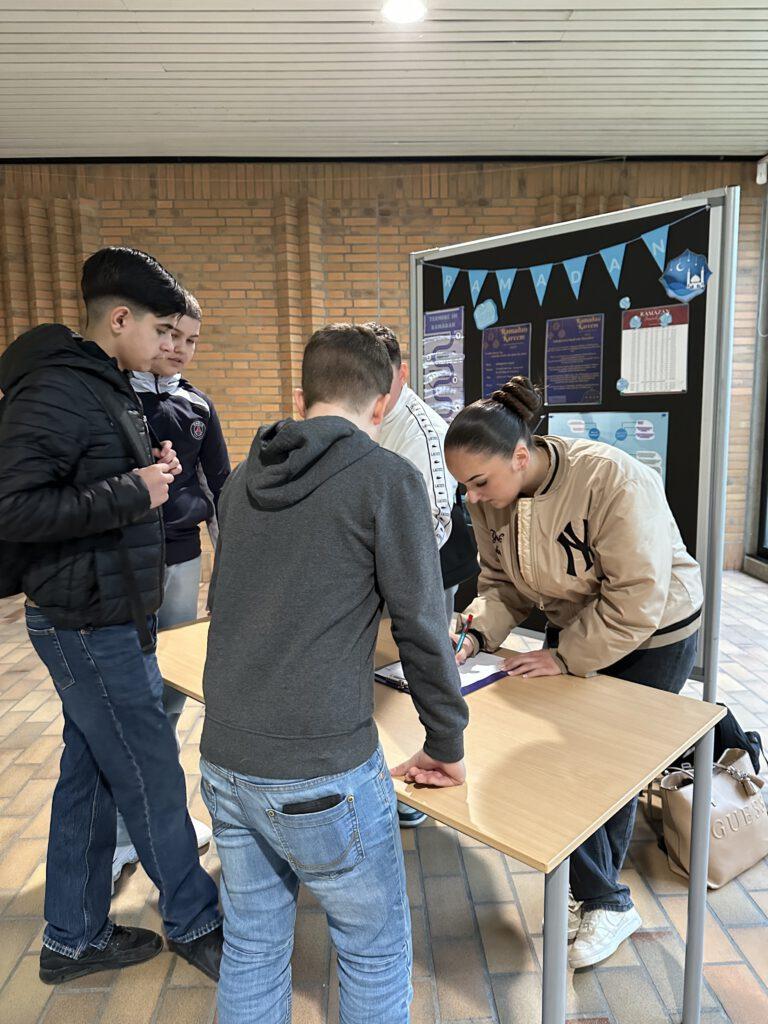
[(597, 549)]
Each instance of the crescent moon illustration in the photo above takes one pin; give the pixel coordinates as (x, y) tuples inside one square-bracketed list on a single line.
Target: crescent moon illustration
[(678, 266)]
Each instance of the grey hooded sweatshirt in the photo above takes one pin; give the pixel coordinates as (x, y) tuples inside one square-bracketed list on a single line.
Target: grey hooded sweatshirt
[(318, 528)]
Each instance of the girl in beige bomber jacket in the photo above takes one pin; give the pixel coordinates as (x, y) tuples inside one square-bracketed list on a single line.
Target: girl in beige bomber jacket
[(583, 532)]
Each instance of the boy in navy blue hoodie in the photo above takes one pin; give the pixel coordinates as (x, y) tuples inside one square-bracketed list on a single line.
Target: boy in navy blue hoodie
[(176, 410)]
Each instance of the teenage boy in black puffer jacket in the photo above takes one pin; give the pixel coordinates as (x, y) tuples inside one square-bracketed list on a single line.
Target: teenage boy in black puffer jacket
[(80, 493)]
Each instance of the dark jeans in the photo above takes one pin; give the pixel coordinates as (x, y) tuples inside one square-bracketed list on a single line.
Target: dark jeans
[(595, 865), (118, 748)]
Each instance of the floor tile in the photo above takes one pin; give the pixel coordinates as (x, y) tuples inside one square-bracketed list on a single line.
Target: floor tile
[(741, 994)]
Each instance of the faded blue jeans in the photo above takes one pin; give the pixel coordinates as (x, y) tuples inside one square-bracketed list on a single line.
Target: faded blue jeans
[(349, 856)]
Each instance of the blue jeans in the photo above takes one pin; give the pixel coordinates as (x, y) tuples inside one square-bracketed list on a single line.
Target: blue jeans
[(595, 865), (118, 747), (351, 859), (180, 591)]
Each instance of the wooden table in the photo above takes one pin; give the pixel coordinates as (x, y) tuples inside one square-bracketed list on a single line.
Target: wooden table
[(548, 761)]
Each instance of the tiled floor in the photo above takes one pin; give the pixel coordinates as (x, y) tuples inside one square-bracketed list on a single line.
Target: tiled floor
[(476, 914)]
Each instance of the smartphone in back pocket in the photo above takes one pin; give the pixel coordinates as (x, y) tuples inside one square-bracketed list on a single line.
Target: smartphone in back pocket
[(323, 803)]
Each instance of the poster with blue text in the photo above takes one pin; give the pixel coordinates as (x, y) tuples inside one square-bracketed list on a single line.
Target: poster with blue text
[(574, 360), (643, 435), (506, 354), (444, 361)]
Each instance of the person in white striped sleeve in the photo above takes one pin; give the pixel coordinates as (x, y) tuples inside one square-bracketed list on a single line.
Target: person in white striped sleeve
[(416, 432)]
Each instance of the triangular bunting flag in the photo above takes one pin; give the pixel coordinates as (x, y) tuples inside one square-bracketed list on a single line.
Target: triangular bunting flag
[(506, 279), (613, 257), (574, 270), (540, 278), (656, 241), (449, 280), (476, 279)]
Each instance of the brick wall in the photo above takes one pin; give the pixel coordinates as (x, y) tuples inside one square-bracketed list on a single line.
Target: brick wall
[(273, 250)]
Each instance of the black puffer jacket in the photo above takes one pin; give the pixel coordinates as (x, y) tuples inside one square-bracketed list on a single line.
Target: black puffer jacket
[(82, 539)]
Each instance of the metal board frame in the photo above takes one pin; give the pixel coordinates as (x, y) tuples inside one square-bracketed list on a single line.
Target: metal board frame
[(715, 414)]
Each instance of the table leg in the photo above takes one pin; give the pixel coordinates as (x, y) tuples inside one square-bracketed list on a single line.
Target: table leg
[(697, 885), (553, 990)]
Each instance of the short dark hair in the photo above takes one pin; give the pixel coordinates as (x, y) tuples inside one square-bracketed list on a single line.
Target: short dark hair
[(193, 307), (388, 336), (120, 274), (345, 363)]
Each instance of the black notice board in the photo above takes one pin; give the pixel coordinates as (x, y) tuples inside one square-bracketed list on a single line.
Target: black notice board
[(639, 282)]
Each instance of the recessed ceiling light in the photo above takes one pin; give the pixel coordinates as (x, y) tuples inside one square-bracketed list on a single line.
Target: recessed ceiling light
[(404, 12)]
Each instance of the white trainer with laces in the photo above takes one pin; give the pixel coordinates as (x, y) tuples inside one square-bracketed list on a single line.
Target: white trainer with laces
[(574, 917), (600, 935)]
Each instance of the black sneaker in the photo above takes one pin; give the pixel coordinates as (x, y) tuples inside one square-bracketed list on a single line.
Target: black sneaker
[(409, 817), (126, 946), (203, 953)]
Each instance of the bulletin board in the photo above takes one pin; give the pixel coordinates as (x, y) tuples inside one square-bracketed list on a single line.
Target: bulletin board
[(599, 308)]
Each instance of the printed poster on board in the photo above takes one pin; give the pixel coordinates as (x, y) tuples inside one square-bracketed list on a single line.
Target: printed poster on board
[(444, 361), (654, 350), (643, 435), (506, 353), (574, 360)]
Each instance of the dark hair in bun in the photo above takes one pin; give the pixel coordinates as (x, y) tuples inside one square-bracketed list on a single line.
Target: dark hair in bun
[(496, 425)]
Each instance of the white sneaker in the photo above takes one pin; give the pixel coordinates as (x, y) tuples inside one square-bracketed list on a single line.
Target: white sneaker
[(122, 857), (574, 917), (202, 832), (601, 934)]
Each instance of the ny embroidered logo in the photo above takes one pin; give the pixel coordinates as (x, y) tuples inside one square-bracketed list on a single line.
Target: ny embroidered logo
[(571, 543)]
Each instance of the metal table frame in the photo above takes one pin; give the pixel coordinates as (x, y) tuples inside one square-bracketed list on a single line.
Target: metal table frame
[(555, 966)]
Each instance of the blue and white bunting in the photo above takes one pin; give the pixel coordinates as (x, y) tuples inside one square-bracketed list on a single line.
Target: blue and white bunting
[(656, 241), (540, 278), (476, 279), (449, 280), (613, 257), (574, 270), (506, 279)]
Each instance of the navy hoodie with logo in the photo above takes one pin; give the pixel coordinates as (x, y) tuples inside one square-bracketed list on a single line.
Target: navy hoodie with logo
[(180, 413)]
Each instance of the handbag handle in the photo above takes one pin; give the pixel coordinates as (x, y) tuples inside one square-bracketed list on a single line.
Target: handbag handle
[(680, 771)]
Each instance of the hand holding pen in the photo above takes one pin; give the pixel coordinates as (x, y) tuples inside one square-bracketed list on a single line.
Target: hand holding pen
[(463, 650)]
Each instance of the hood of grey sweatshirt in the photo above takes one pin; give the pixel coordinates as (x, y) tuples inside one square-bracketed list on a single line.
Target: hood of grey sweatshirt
[(289, 460)]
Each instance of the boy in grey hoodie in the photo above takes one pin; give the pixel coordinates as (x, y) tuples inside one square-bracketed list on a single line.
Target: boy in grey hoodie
[(319, 527)]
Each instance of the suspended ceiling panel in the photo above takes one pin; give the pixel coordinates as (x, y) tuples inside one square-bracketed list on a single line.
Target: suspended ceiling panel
[(297, 78)]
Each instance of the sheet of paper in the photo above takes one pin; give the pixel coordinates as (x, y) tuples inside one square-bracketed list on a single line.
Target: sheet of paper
[(654, 351), (471, 672)]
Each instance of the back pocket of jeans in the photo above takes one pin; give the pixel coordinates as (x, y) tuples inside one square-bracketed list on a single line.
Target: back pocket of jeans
[(324, 843), (48, 649)]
